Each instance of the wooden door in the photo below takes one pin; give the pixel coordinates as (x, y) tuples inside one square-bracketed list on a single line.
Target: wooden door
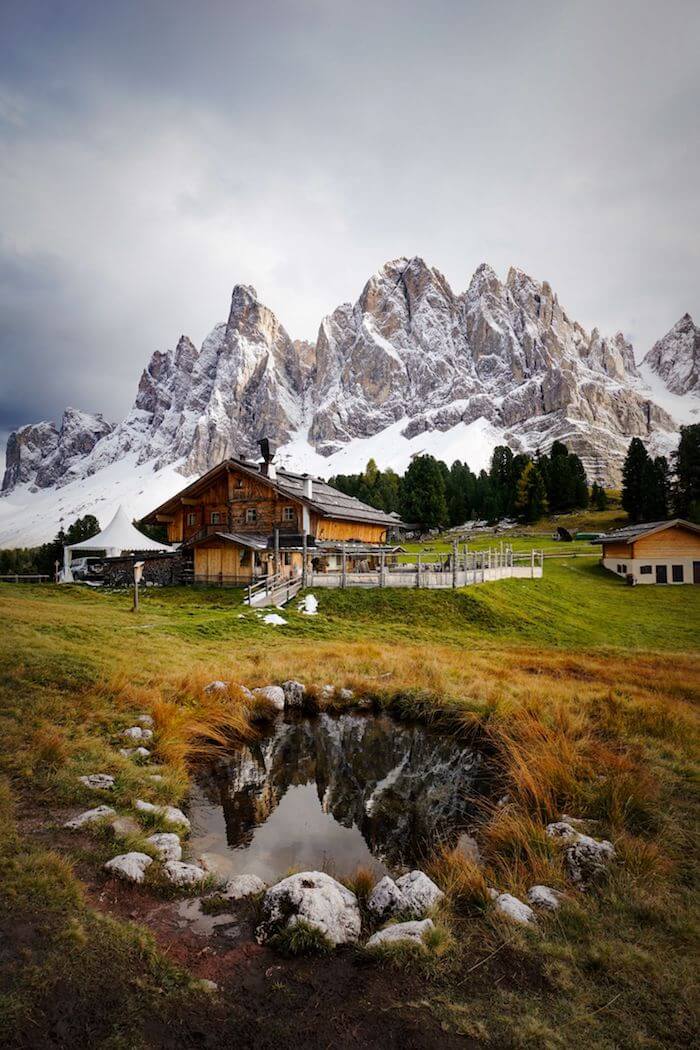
[(696, 572), (661, 574)]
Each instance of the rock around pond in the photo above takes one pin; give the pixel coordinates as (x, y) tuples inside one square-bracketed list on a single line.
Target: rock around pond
[(333, 792)]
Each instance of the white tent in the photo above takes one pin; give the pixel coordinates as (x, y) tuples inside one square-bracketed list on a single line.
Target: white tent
[(120, 535)]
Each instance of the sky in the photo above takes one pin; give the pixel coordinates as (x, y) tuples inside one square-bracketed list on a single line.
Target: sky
[(155, 153)]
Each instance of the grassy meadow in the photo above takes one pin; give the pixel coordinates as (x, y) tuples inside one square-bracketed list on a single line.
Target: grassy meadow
[(583, 691)]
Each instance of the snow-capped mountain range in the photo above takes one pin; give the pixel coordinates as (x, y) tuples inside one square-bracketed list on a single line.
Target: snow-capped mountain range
[(410, 367)]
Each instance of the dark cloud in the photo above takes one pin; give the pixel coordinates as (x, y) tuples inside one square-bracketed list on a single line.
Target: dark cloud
[(151, 155)]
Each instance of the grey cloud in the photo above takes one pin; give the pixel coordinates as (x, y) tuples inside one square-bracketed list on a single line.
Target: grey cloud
[(153, 155)]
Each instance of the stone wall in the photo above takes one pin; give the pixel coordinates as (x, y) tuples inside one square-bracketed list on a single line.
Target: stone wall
[(159, 569)]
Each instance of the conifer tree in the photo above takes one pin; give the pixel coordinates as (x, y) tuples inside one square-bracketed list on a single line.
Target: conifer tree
[(633, 479)]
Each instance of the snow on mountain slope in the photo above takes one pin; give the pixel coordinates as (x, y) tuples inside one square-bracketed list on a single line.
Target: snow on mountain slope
[(676, 358), (410, 367)]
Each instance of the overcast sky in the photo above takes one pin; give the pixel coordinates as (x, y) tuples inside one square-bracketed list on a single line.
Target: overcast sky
[(154, 153)]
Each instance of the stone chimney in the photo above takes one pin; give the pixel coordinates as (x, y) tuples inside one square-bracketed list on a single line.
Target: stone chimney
[(308, 487)]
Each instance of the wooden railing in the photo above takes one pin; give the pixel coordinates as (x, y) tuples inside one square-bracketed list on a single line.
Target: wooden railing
[(36, 577), (273, 590)]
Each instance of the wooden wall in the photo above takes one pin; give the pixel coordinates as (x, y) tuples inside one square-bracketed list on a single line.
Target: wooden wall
[(224, 560), (347, 530), (617, 550), (671, 543)]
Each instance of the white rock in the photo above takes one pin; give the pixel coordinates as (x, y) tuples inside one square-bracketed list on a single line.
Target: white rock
[(166, 844), (156, 778), (274, 619), (129, 866), (514, 909), (294, 693), (587, 858), (171, 814), (98, 781), (90, 816), (135, 752), (544, 897), (240, 886), (273, 694), (216, 687), (328, 692), (401, 931), (346, 694), (309, 605), (183, 874), (315, 898), (137, 733), (386, 899), (493, 894), (419, 892), (207, 985), (561, 830), (145, 720)]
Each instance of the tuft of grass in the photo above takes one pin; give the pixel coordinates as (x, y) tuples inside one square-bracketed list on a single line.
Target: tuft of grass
[(300, 938), (463, 882)]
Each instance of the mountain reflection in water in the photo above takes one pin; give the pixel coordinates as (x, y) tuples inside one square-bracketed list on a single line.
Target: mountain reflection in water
[(334, 792)]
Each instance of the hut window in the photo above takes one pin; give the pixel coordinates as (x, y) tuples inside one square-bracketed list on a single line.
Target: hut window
[(288, 514), (645, 570), (677, 573), (215, 517), (192, 518), (251, 515)]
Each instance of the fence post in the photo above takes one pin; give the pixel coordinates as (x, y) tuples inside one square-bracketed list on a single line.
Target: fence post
[(454, 564), (418, 570), (344, 568), (532, 564), (382, 558), (304, 555)]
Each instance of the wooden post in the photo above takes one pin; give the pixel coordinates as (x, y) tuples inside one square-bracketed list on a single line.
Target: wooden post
[(344, 577), (382, 559), (454, 564), (532, 563), (277, 550), (304, 555), (418, 570)]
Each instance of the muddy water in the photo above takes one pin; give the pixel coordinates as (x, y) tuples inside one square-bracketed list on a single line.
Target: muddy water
[(332, 793)]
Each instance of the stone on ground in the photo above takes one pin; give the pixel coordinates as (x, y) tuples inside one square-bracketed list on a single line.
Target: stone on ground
[(124, 826), (183, 874), (129, 866), (90, 816), (561, 829), (240, 886), (315, 898), (294, 693), (98, 781), (216, 687), (145, 720), (587, 859), (171, 814), (514, 909), (134, 752), (273, 694), (137, 733), (346, 694), (386, 899), (419, 892), (544, 897), (166, 844), (413, 932)]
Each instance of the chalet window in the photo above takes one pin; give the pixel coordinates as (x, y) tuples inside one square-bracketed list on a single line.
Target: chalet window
[(288, 514), (645, 570), (677, 573), (215, 517), (192, 518), (619, 568), (251, 515), (239, 483)]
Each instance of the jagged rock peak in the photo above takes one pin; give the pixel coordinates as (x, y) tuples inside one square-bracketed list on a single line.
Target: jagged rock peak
[(43, 453), (676, 357)]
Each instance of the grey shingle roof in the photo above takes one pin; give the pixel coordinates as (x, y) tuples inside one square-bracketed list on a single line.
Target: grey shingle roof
[(630, 533), (331, 502)]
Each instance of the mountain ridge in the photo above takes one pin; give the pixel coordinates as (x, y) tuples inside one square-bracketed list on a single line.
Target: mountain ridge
[(410, 364)]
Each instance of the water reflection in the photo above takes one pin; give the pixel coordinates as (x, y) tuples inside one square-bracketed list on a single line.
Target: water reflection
[(333, 792)]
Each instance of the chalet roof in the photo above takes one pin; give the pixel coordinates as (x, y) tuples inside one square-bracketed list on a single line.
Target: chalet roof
[(255, 541), (325, 500), (630, 533)]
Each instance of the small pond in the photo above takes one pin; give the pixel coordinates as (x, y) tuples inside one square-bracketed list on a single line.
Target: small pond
[(332, 792)]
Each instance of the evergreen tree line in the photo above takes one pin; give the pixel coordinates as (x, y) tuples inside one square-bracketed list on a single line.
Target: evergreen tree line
[(432, 495), (31, 560), (653, 489)]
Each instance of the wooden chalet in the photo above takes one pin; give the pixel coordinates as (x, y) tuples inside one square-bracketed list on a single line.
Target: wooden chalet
[(244, 520), (654, 552)]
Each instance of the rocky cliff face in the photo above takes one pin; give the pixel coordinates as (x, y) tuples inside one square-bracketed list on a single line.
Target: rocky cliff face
[(44, 454), (410, 351), (676, 357)]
